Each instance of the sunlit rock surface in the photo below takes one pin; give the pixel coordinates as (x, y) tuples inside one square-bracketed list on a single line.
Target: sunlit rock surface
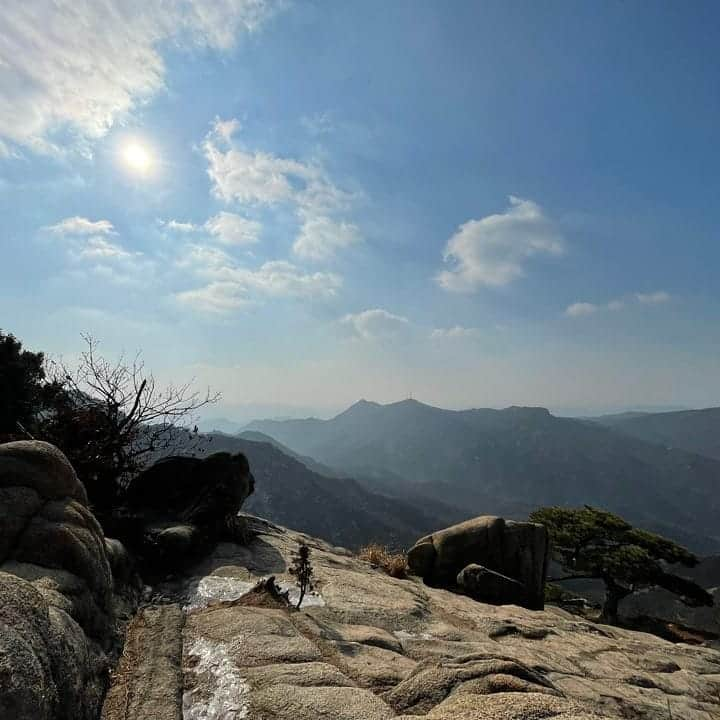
[(57, 619), (372, 647)]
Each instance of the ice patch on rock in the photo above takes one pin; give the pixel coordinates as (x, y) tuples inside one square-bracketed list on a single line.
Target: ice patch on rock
[(404, 635), (311, 599), (227, 693), (216, 587)]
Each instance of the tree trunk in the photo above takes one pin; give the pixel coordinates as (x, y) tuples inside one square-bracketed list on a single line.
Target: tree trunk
[(614, 593)]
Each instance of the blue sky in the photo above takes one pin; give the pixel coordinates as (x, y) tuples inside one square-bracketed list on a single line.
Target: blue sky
[(305, 203)]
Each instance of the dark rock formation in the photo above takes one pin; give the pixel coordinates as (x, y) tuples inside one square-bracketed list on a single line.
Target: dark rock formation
[(517, 550), (56, 603), (178, 508), (492, 587), (192, 490)]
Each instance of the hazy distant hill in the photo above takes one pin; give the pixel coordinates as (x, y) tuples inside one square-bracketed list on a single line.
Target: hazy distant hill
[(510, 461), (310, 463), (340, 510), (696, 431)]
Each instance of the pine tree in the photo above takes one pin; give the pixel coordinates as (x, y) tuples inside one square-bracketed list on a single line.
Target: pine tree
[(302, 569), (592, 543)]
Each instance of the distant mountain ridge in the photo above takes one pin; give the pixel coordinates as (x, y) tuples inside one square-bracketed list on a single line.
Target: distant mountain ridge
[(341, 510), (696, 431), (510, 461)]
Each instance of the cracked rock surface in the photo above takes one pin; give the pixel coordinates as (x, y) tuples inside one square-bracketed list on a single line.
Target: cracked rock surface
[(374, 647)]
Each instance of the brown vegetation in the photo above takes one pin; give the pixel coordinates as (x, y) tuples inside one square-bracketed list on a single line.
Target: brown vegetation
[(394, 564)]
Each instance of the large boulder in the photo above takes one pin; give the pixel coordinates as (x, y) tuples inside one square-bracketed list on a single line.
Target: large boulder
[(49, 537), (194, 490), (56, 589), (517, 550), (175, 510)]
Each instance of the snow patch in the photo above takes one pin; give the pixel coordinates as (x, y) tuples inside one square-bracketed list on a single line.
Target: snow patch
[(227, 695)]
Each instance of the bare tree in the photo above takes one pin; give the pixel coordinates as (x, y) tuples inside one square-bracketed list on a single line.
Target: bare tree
[(111, 417)]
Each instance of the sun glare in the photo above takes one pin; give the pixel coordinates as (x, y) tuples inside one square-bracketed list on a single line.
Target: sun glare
[(137, 158)]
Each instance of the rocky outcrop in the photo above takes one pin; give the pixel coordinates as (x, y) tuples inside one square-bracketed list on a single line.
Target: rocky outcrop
[(192, 490), (491, 587), (56, 589), (175, 510), (148, 681), (370, 647), (516, 550)]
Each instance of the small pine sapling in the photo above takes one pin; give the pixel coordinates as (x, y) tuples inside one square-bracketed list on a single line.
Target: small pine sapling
[(302, 570)]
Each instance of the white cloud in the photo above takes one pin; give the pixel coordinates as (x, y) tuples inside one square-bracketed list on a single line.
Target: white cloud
[(204, 260), (231, 229), (260, 178), (493, 251), (655, 298), (217, 297), (319, 123), (98, 248), (79, 66), (230, 286), (579, 309), (247, 177), (455, 332), (81, 226), (375, 324), (278, 278), (320, 238), (92, 248), (225, 129), (183, 227)]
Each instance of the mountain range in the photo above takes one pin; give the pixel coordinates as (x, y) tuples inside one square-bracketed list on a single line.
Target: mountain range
[(341, 510), (513, 460), (696, 431)]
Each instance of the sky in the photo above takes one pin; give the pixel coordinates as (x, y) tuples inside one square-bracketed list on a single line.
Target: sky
[(304, 203)]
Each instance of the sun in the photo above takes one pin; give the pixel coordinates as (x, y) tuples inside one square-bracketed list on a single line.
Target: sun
[(137, 158)]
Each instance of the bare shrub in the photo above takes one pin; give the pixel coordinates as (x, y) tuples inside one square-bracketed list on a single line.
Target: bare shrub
[(394, 564)]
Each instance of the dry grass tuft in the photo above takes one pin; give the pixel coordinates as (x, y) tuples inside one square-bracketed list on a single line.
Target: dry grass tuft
[(394, 564)]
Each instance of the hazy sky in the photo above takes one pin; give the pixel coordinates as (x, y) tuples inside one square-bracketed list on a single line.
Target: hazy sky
[(303, 203)]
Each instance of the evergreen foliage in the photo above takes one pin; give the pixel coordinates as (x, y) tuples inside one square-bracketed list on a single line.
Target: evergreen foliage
[(593, 543), (22, 376), (301, 569)]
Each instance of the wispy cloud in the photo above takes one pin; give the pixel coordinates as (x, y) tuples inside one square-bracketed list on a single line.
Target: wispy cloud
[(655, 298), (78, 225), (321, 238), (225, 228), (81, 65), (92, 247), (320, 123), (176, 226), (231, 229), (239, 176), (98, 248), (494, 250), (579, 309), (458, 331), (375, 324), (231, 286)]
